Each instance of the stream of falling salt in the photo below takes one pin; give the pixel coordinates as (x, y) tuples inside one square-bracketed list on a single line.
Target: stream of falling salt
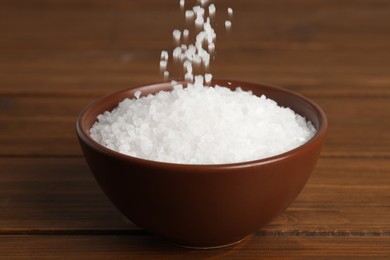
[(197, 54)]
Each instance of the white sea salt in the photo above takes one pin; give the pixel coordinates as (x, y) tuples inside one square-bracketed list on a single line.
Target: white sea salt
[(163, 64), (208, 77), (186, 33), (176, 35), (198, 10), (199, 21), (137, 94), (164, 55), (176, 52), (189, 14), (212, 10), (201, 125), (189, 76), (228, 25), (230, 11), (166, 75), (203, 2)]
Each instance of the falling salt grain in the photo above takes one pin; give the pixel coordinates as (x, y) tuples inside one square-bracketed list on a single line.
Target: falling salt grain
[(163, 64), (164, 55), (198, 10), (186, 34), (176, 35), (212, 10), (189, 14), (199, 21), (166, 75), (182, 3), (228, 25), (203, 2), (177, 52), (188, 76), (208, 77), (230, 11), (211, 47), (187, 65)]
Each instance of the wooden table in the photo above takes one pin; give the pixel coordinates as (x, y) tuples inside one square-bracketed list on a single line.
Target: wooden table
[(57, 56)]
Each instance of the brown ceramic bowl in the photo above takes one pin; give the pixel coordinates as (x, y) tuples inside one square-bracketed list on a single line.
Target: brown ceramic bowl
[(202, 206)]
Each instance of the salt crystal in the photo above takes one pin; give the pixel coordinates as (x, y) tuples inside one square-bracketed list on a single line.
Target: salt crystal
[(163, 64), (166, 75), (198, 81), (189, 77), (203, 2), (164, 55), (178, 87), (189, 14), (186, 33), (211, 47), (206, 63), (197, 60), (182, 3), (182, 57), (176, 35), (137, 94), (230, 11), (198, 10), (199, 21), (228, 25), (212, 9), (177, 52), (187, 66), (208, 77), (201, 36)]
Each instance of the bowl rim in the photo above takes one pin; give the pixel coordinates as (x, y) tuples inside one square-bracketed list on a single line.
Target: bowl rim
[(87, 139)]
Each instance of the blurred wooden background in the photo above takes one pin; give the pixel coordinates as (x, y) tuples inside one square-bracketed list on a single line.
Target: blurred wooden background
[(56, 56)]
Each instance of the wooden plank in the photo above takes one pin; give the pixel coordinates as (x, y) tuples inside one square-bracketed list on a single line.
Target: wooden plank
[(150, 247), (341, 197), (54, 195), (45, 126), (60, 196)]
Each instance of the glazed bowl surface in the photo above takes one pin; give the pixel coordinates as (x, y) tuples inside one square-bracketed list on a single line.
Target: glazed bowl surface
[(202, 206)]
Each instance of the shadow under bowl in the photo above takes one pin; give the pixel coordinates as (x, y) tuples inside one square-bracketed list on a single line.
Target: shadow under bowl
[(202, 206)]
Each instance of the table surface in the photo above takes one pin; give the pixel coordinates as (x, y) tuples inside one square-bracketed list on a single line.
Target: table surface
[(57, 56)]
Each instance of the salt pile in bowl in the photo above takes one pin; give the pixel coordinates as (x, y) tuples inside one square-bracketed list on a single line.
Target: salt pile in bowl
[(201, 125)]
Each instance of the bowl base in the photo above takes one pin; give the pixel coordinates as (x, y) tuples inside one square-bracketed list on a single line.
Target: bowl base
[(205, 247)]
